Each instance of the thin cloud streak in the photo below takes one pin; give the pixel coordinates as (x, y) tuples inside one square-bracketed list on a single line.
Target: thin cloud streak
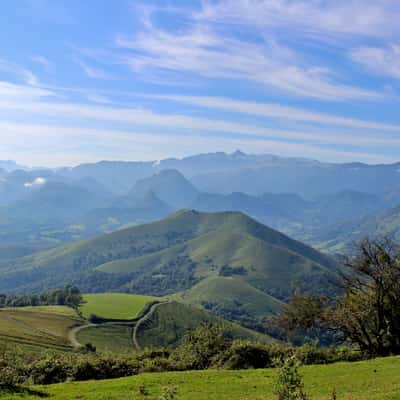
[(91, 72), (321, 20), (143, 117), (276, 111), (380, 60)]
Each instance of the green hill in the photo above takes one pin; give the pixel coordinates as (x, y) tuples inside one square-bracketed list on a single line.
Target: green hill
[(176, 254), (170, 322), (233, 299)]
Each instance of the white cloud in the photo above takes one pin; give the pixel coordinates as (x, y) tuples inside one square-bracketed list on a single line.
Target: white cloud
[(381, 60), (139, 118), (278, 111), (36, 182), (98, 98), (92, 72), (204, 51), (26, 75), (43, 62), (13, 92), (321, 19)]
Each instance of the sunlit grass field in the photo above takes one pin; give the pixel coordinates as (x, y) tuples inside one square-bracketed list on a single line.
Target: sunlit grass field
[(370, 380), (37, 327), (114, 305)]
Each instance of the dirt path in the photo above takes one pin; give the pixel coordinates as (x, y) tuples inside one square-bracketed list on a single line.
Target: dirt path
[(144, 318), (72, 334)]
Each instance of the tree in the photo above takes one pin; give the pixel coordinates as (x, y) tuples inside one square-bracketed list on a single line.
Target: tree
[(303, 319), (366, 313)]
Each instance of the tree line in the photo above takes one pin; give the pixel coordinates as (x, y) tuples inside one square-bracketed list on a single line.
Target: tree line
[(67, 296)]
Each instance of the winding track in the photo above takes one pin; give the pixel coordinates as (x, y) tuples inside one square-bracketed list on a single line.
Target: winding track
[(135, 323), (144, 318), (74, 331)]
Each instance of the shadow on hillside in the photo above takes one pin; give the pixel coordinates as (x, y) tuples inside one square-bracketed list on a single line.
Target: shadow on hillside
[(11, 389)]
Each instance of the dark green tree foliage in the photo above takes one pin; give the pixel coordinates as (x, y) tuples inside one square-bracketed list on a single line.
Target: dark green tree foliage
[(367, 314), (202, 346), (68, 296)]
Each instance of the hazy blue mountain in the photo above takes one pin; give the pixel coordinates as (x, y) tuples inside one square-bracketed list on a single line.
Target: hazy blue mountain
[(341, 207), (55, 201), (170, 186), (116, 176), (252, 174), (16, 184), (125, 211), (9, 165), (342, 238), (265, 211), (306, 178)]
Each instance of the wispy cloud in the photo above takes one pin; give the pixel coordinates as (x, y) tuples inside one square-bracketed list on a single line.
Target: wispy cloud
[(140, 118), (90, 71), (279, 111), (98, 98), (10, 92), (43, 62), (320, 19), (381, 60), (22, 73), (211, 53)]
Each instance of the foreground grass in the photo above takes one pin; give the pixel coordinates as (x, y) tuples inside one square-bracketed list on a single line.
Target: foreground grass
[(114, 305), (371, 380)]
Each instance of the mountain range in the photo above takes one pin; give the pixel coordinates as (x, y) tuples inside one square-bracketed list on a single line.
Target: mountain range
[(304, 198)]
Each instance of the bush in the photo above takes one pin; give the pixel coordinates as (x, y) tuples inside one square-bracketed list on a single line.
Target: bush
[(244, 355), (289, 384), (201, 348)]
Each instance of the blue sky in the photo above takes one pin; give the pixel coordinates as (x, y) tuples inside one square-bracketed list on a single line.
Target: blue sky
[(82, 81)]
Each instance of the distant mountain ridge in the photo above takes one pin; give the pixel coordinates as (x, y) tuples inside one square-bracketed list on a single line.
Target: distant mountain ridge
[(303, 198), (253, 174)]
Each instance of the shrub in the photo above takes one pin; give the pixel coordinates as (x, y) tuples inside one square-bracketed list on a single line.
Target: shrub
[(168, 393), (289, 384)]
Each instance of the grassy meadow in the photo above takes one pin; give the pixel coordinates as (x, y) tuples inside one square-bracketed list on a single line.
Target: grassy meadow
[(38, 327), (369, 380), (113, 338), (114, 305)]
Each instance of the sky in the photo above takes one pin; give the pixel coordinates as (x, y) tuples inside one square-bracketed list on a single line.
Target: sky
[(83, 81)]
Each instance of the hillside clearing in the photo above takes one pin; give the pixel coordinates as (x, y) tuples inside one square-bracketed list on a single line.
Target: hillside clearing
[(114, 305)]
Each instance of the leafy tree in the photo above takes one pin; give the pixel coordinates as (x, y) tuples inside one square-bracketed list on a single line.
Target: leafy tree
[(367, 312), (201, 347)]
